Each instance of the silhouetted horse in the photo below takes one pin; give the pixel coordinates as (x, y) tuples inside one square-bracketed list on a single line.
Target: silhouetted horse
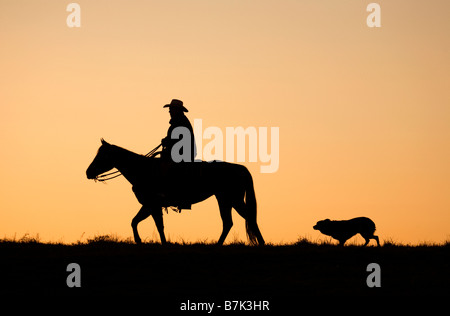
[(157, 183)]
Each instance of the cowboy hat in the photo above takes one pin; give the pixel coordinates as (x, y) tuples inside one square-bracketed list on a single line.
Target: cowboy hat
[(176, 104)]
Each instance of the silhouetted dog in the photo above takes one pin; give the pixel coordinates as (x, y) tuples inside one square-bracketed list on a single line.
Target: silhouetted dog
[(344, 230)]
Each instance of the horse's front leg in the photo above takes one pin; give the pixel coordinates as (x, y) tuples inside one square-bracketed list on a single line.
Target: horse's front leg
[(143, 213), (158, 218)]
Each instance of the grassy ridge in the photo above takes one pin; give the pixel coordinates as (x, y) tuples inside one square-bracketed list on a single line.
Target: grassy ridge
[(111, 266)]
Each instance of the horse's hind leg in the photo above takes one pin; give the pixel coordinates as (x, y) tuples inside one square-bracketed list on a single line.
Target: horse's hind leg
[(227, 221), (242, 209), (143, 213)]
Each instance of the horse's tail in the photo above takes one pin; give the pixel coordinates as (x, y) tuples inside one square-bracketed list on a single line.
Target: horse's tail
[(250, 201)]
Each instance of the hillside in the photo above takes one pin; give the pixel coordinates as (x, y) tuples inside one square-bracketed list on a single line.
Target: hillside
[(204, 272)]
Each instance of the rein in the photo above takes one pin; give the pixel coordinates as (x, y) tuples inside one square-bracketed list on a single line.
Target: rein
[(115, 174)]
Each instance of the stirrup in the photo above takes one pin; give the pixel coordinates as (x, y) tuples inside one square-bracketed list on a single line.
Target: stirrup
[(172, 208)]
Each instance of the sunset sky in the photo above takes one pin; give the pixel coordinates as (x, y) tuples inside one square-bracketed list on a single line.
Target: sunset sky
[(363, 113)]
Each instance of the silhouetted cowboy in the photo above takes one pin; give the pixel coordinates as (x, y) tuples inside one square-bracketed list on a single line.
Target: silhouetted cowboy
[(178, 119), (170, 171)]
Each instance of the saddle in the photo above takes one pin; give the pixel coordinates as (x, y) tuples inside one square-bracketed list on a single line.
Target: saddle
[(168, 184)]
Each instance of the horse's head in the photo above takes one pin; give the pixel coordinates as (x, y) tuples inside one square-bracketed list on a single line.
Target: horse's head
[(102, 162)]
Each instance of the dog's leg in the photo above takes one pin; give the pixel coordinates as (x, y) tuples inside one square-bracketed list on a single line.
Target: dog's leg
[(377, 239)]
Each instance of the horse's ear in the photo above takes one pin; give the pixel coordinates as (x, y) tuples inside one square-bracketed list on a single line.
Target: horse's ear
[(104, 142)]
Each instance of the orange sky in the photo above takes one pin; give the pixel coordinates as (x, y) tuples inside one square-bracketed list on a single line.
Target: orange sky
[(363, 113)]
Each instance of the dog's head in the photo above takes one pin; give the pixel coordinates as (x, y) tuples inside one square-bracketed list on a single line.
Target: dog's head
[(322, 225)]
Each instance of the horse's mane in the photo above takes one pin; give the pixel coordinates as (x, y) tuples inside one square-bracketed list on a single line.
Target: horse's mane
[(123, 151)]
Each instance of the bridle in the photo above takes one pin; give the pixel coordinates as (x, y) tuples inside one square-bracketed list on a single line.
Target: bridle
[(115, 174)]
